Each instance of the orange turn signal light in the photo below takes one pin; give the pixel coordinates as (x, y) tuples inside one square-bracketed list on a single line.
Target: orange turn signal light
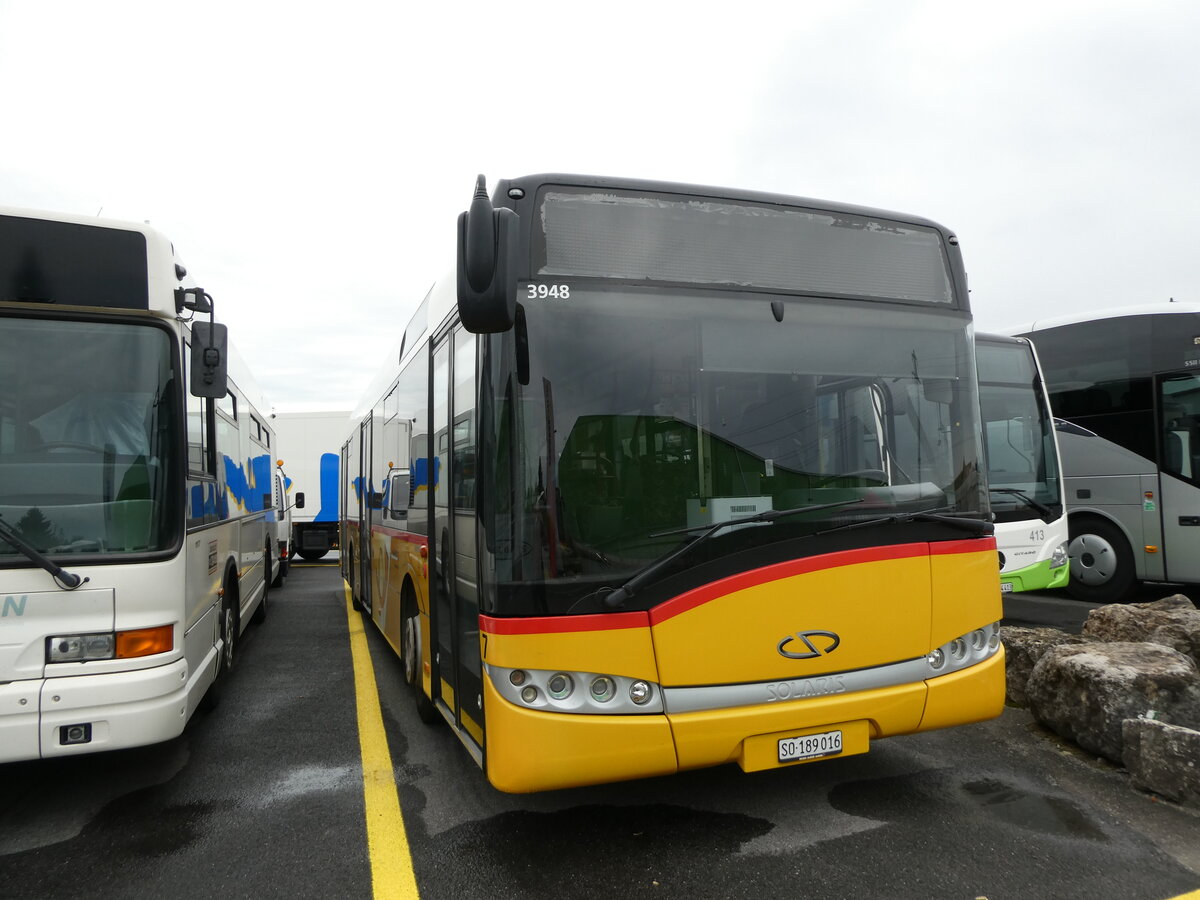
[(145, 641)]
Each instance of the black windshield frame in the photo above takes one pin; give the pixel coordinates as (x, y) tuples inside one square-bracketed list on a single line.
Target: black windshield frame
[(141, 486), (620, 335)]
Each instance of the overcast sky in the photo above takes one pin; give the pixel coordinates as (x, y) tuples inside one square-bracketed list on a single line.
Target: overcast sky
[(309, 161)]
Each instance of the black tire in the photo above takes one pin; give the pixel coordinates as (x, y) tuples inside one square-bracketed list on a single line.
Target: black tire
[(312, 555), (1102, 569), (280, 567), (354, 602), (410, 654)]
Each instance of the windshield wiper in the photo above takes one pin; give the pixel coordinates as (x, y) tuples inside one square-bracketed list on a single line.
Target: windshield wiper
[(64, 579), (981, 527), (1036, 505), (625, 592)]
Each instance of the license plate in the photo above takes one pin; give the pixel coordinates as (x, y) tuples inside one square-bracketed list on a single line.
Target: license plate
[(810, 746), (1006, 587)]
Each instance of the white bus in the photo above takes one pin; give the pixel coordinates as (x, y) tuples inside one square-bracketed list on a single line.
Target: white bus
[(1126, 382), (137, 497), (1024, 479)]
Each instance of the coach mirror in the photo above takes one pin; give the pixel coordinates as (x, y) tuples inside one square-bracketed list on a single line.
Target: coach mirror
[(210, 360), (487, 265), (299, 503)]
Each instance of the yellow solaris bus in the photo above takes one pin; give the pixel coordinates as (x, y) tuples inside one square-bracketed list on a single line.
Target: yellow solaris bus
[(670, 476)]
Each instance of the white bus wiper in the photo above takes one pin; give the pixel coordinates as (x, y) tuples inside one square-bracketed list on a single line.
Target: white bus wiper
[(64, 579), (1036, 505), (625, 592)]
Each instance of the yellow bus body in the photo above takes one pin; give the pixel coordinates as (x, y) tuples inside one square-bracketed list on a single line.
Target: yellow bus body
[(887, 606)]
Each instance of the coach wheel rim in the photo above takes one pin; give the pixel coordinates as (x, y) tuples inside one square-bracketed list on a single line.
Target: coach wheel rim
[(1094, 560)]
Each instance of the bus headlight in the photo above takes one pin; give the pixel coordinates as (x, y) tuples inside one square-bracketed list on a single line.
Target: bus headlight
[(559, 686), (639, 693), (80, 647), (964, 651), (553, 690), (1058, 558), (110, 644)]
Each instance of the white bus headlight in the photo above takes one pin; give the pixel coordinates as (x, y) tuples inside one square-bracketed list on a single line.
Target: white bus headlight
[(1058, 558), (80, 647)]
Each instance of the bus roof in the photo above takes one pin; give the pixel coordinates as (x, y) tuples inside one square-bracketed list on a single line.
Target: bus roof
[(532, 182), (1117, 312)]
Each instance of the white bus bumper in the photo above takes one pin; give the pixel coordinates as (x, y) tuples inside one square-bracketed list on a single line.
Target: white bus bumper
[(112, 710)]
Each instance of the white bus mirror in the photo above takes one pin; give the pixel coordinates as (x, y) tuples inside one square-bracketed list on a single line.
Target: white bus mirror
[(210, 360)]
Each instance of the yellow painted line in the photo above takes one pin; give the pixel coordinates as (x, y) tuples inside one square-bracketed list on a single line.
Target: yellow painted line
[(392, 875), (1191, 895)]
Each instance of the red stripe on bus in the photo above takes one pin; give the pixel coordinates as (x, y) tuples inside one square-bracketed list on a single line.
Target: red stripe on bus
[(740, 582), (967, 545), (564, 624), (743, 580)]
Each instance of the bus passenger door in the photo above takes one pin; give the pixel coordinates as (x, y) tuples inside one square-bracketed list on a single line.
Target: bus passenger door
[(454, 582), (1179, 483)]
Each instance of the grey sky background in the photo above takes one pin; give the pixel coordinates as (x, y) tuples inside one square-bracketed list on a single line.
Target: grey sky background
[(309, 161)]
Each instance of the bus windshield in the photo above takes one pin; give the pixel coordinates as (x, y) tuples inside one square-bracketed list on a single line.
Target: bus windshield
[(1018, 429), (647, 413), (85, 448)]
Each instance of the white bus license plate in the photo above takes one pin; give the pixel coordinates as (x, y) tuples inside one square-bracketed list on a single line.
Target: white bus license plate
[(810, 746), (1006, 587)]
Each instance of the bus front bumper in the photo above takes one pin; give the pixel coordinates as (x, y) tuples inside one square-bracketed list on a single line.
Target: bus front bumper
[(46, 717), (532, 750)]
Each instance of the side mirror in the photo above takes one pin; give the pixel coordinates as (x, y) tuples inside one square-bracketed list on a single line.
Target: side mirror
[(299, 504), (267, 504), (487, 265), (210, 360), (375, 500)]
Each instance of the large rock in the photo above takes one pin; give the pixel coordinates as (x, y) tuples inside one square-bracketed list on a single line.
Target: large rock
[(1084, 692), (1163, 758), (1023, 647), (1173, 622)]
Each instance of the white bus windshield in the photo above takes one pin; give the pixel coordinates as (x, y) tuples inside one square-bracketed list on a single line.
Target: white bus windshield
[(85, 447)]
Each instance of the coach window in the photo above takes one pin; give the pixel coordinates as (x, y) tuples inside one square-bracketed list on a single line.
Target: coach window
[(1180, 399)]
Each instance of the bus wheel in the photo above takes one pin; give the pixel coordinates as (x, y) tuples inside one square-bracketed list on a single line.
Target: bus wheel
[(354, 601), (1101, 562), (312, 555), (410, 650)]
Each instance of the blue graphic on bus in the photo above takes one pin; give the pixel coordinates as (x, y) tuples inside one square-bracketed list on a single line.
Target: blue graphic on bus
[(329, 488)]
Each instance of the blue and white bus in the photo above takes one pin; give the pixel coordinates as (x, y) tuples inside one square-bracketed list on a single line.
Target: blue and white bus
[(137, 494)]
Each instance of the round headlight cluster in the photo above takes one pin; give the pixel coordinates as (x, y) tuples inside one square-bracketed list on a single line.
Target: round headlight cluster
[(552, 690), (965, 650)]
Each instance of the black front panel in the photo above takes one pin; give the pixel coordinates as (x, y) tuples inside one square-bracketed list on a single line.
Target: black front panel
[(66, 264)]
